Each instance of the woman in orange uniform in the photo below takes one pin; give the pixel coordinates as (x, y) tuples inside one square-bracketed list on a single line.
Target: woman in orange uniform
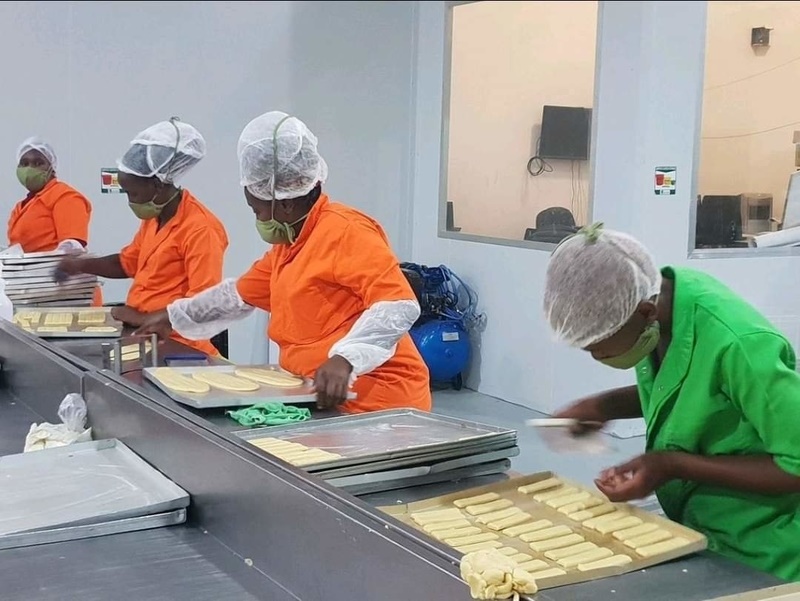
[(179, 248), (54, 215), (340, 308)]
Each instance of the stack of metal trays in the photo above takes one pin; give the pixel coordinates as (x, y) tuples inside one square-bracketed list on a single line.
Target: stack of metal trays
[(392, 449), (81, 491)]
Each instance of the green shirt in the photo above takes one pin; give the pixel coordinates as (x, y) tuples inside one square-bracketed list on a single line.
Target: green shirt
[(727, 386)]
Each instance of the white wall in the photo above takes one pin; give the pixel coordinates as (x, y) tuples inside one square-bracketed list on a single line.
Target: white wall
[(647, 114), (509, 59), (90, 75), (750, 107)]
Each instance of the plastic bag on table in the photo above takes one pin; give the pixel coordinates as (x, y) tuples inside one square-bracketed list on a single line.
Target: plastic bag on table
[(72, 429)]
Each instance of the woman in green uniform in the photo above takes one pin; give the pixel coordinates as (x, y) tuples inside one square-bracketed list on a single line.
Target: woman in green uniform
[(716, 386)]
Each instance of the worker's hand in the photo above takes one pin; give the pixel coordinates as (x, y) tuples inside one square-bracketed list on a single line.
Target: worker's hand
[(155, 323), (332, 382), (589, 413), (129, 315), (638, 478), (66, 268)]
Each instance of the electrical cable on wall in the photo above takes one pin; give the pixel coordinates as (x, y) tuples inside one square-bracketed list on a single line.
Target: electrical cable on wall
[(752, 133), (537, 165), (753, 75)]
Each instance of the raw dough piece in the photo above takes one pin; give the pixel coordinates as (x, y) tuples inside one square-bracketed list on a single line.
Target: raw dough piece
[(456, 532), (532, 566), (30, 316), (512, 520), (471, 540), (509, 551), (609, 562), (613, 526), (178, 382), (488, 507), (557, 554), (58, 319), (542, 497), (551, 573), (100, 329), (581, 505), (665, 547), (568, 499), (268, 442), (586, 557), (557, 543), (593, 523), (130, 352), (521, 557), (51, 329), (592, 512), (314, 456), (437, 515), (91, 317), (269, 377), (539, 486), (630, 533), (489, 544), (225, 381), (532, 537), (651, 538), (485, 498), (525, 528), (491, 575), (498, 515), (437, 526)]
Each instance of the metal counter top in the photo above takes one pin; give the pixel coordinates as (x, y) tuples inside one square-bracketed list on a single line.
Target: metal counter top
[(696, 578)]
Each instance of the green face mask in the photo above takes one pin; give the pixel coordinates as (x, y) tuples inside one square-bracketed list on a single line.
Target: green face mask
[(645, 345), (150, 210), (275, 232), (32, 178)]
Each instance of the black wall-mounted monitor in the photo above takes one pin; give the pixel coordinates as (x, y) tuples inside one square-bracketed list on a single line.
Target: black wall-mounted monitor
[(566, 133)]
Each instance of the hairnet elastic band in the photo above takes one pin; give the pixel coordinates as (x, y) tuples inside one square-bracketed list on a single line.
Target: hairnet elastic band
[(275, 155), (171, 161)]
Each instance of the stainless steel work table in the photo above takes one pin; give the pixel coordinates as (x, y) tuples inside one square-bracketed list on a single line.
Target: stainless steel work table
[(696, 578)]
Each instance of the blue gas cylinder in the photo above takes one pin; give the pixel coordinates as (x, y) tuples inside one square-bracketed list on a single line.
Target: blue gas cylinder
[(445, 347)]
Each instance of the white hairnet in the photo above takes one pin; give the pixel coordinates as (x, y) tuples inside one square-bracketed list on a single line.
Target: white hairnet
[(278, 157), (166, 150), (595, 281), (35, 143)]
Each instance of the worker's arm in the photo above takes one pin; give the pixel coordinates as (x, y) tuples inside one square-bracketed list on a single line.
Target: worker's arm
[(618, 403), (106, 267), (759, 378), (366, 265)]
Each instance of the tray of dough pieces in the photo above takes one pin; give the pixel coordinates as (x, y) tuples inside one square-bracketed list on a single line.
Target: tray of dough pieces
[(214, 386), (559, 531), (386, 439), (66, 322)]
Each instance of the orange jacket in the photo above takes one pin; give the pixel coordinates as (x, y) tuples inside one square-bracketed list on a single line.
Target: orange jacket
[(180, 260), (56, 213), (42, 221), (315, 289)]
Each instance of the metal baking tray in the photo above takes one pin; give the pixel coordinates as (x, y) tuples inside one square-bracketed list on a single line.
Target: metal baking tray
[(383, 435), (75, 330), (439, 460), (220, 398), (368, 487), (84, 483), (70, 533), (422, 465)]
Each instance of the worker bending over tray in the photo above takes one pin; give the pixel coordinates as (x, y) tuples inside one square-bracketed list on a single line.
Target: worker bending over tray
[(340, 307), (178, 249), (716, 385), (53, 216)]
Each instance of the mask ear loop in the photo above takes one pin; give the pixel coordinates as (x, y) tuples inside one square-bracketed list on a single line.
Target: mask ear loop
[(273, 187), (170, 163)]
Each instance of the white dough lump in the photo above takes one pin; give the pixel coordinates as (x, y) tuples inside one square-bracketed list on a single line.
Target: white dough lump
[(492, 575)]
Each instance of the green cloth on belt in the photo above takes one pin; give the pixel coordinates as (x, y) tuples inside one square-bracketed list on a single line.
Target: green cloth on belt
[(270, 414)]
